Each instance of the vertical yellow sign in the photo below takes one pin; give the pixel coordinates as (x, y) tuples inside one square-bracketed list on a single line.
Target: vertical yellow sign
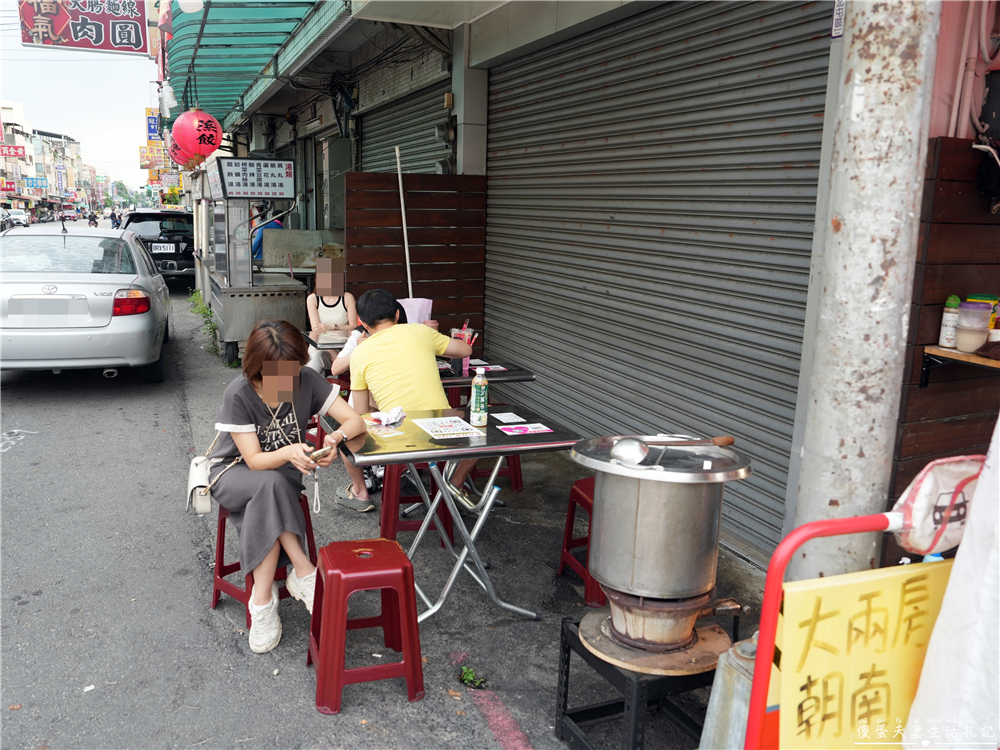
[(852, 647)]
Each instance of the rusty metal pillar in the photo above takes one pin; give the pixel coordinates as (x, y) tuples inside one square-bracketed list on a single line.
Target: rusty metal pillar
[(877, 171)]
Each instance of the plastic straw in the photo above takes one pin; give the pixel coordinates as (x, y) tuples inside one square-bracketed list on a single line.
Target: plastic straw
[(406, 239)]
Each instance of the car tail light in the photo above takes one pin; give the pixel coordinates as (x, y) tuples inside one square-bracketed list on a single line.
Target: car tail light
[(131, 302)]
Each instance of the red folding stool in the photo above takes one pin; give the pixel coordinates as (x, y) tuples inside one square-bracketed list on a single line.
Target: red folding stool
[(581, 495), (389, 521), (512, 470), (346, 567), (222, 568)]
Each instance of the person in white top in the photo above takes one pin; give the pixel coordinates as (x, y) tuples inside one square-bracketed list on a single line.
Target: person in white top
[(331, 308)]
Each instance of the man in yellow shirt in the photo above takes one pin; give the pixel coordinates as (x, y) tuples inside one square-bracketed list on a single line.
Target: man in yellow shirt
[(397, 366)]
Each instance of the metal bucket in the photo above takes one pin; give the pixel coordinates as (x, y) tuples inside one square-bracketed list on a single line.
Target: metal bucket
[(655, 527)]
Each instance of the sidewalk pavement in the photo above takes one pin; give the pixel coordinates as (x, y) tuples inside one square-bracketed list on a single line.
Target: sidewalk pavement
[(518, 658), (192, 681)]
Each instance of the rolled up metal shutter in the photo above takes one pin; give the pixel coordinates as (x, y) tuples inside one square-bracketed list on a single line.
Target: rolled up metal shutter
[(652, 189), (407, 123)]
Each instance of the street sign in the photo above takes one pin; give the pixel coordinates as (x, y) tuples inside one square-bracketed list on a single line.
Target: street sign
[(105, 25)]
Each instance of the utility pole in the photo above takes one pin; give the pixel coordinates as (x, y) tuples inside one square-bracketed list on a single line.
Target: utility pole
[(877, 170)]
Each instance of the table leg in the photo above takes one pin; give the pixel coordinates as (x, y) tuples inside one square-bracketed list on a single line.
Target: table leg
[(432, 516), (470, 546)]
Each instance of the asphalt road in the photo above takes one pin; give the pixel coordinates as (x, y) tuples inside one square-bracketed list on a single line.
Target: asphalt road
[(107, 637)]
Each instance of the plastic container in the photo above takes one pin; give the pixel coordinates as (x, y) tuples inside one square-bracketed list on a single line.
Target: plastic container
[(975, 315), (967, 340), (992, 300), (480, 399), (948, 322)]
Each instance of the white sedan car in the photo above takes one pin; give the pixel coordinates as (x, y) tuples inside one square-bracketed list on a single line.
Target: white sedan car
[(81, 299)]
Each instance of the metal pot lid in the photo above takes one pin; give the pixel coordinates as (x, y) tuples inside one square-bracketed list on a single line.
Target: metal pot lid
[(690, 464)]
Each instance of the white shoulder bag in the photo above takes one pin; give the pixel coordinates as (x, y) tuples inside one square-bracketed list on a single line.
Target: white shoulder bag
[(199, 492)]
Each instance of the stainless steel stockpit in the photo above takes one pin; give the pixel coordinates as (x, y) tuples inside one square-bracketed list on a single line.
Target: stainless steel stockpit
[(655, 526)]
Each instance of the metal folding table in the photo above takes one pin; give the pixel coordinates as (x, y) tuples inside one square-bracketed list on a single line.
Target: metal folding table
[(409, 444)]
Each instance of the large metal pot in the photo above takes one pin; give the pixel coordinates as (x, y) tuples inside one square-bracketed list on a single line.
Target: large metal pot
[(655, 526)]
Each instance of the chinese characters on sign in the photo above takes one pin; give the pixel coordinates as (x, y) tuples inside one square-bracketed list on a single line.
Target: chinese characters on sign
[(251, 178), (153, 125), (16, 152), (852, 647), (152, 156), (839, 9), (108, 25), (36, 182), (7, 186)]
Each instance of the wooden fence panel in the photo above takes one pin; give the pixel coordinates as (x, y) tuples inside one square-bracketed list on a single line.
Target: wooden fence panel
[(446, 229)]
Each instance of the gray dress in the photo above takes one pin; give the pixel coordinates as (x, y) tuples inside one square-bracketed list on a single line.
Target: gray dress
[(263, 504)]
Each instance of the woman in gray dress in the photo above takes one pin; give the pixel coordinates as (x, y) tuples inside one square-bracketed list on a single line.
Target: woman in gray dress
[(261, 456)]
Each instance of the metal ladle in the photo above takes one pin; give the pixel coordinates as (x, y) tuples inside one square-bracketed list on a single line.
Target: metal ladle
[(633, 451)]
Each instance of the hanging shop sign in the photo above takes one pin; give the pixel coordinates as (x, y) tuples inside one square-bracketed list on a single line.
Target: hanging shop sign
[(16, 152), (37, 182), (7, 186), (152, 156), (153, 124), (252, 178), (851, 650), (170, 179), (105, 25)]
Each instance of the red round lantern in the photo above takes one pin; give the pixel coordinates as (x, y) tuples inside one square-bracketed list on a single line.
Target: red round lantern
[(197, 132), (182, 158)]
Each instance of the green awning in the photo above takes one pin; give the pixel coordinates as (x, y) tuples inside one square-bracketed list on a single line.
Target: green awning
[(219, 51)]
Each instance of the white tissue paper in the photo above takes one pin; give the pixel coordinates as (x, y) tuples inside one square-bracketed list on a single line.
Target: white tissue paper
[(393, 416)]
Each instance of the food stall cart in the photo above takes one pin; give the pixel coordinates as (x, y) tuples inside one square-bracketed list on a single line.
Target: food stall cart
[(245, 291)]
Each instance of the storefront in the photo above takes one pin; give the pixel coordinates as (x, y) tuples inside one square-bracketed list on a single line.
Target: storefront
[(652, 188)]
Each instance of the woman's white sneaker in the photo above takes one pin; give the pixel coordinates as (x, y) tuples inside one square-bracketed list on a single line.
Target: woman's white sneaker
[(265, 625), (302, 588)]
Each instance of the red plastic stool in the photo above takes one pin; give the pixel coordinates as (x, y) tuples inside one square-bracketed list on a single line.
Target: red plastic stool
[(346, 567), (389, 521), (512, 470), (582, 494), (222, 568), (315, 423)]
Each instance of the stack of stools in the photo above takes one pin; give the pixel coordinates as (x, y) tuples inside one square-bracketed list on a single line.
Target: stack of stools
[(389, 521), (346, 567), (582, 495), (222, 568)]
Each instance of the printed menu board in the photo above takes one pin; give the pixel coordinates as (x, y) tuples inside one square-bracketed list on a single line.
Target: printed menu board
[(256, 178)]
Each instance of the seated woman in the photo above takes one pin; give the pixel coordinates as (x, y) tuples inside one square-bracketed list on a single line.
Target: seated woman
[(262, 422), (330, 308)]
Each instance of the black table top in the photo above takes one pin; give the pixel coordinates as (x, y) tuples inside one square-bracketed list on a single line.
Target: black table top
[(414, 445), (513, 374)]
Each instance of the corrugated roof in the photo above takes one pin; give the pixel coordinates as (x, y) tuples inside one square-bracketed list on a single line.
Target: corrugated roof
[(226, 46)]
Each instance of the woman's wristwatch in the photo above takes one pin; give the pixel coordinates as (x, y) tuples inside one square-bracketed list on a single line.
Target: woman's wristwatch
[(343, 437)]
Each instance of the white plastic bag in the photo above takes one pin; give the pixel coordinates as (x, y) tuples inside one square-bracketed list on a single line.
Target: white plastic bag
[(936, 504)]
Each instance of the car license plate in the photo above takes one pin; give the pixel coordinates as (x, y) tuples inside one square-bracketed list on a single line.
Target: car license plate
[(162, 247)]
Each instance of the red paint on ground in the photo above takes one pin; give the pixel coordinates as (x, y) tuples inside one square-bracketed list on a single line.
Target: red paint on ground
[(501, 722), (458, 657)]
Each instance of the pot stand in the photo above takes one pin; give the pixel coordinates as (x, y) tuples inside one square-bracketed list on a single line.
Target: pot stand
[(640, 690)]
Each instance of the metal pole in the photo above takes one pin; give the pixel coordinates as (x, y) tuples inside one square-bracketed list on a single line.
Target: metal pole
[(879, 148)]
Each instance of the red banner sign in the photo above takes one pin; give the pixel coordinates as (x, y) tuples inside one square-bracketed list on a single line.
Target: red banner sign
[(12, 151), (106, 25), (7, 186)]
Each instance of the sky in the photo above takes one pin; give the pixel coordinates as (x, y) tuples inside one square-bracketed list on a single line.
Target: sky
[(98, 99)]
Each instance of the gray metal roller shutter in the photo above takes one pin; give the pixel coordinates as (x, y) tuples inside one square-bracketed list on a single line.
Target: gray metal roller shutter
[(652, 188), (407, 123)]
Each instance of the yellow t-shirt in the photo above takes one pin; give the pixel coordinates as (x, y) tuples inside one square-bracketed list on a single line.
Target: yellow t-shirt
[(397, 365)]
